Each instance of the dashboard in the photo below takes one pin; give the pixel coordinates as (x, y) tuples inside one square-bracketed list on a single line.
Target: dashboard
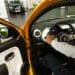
[(38, 28)]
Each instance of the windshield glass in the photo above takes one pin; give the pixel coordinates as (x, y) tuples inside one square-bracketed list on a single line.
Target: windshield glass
[(64, 12)]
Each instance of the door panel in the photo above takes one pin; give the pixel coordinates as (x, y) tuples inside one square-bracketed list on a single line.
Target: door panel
[(13, 55)]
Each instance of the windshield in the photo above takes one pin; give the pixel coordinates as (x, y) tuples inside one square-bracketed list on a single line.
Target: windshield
[(14, 2), (64, 12)]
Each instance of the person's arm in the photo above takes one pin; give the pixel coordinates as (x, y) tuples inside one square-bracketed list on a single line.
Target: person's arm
[(62, 47)]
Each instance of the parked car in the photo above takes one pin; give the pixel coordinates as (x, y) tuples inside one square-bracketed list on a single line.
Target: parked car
[(15, 6), (26, 53)]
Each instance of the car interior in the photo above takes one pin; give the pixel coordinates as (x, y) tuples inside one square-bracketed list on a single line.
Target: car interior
[(55, 58), (62, 17)]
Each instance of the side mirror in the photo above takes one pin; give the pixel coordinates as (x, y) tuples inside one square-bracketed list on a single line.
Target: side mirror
[(7, 33), (13, 57)]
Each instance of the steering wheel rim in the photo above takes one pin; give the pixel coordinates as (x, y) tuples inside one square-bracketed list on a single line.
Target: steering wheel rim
[(62, 29)]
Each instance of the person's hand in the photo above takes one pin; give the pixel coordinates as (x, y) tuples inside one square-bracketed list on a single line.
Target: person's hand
[(47, 37)]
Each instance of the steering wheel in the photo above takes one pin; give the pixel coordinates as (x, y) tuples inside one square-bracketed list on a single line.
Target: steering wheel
[(64, 31)]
